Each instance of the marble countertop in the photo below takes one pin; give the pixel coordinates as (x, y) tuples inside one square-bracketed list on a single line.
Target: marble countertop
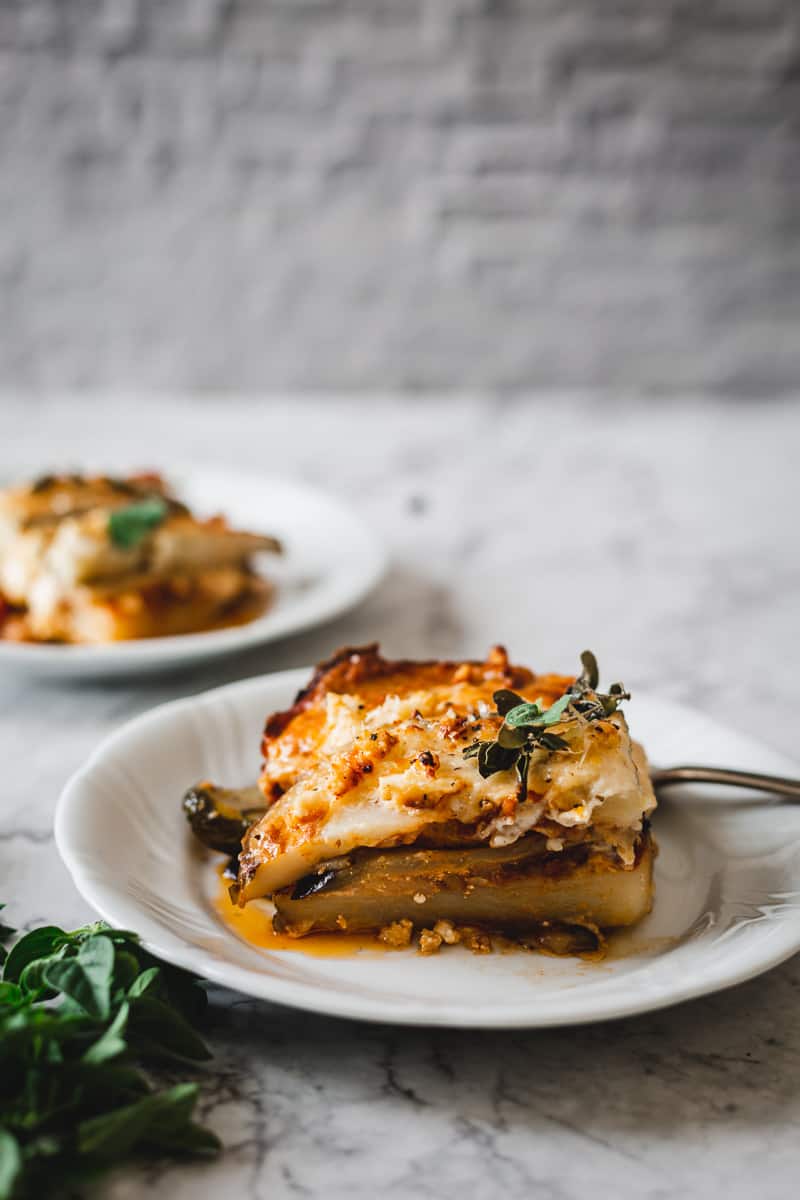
[(664, 536)]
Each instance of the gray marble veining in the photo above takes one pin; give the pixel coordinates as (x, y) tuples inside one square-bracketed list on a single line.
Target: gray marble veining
[(666, 539)]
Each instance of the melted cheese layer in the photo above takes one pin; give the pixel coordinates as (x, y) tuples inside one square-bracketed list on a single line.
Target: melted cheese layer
[(393, 772)]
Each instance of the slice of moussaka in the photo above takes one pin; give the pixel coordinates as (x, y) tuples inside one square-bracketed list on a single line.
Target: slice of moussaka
[(103, 559), (437, 797)]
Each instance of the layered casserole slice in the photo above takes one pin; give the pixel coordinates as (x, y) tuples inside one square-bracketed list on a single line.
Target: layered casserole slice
[(425, 797), (102, 559)]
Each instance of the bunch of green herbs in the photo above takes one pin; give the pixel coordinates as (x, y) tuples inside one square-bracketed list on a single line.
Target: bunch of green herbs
[(80, 1012)]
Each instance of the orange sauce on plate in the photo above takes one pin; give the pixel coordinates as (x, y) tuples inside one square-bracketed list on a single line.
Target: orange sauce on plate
[(254, 926)]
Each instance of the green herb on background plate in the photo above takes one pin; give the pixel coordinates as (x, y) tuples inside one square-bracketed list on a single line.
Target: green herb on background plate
[(128, 526)]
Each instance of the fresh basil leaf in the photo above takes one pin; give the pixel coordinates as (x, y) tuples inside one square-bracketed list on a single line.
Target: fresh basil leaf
[(472, 750), (32, 977), (126, 968), (10, 995), (130, 525), (505, 700), (177, 1132), (10, 1163), (64, 1066), (31, 1022), (144, 982), (118, 936), (189, 1139), (177, 1105), (157, 1120), (36, 944), (157, 1030), (108, 1084), (183, 991), (86, 978), (111, 1043), (114, 1134), (84, 932)]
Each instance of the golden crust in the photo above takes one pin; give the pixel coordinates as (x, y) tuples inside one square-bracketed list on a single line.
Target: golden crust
[(291, 738)]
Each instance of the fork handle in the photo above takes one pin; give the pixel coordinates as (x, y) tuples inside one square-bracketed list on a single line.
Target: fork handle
[(775, 784)]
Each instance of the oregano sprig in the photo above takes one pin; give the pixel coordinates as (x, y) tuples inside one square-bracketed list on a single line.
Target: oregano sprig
[(586, 699), (527, 724)]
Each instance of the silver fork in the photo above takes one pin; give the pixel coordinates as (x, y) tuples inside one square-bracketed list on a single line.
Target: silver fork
[(775, 784)]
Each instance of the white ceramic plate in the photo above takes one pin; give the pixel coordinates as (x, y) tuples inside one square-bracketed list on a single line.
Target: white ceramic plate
[(728, 880), (331, 561)]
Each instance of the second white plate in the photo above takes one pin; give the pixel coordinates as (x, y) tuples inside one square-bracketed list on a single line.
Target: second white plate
[(331, 561), (727, 880)]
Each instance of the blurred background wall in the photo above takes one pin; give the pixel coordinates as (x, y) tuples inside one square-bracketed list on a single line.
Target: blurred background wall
[(369, 194)]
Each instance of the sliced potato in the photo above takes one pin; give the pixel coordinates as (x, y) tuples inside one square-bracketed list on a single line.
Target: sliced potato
[(513, 888)]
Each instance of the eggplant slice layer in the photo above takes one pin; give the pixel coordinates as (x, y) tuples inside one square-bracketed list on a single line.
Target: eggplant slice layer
[(512, 889)]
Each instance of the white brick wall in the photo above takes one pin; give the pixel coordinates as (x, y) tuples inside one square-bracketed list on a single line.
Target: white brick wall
[(390, 193)]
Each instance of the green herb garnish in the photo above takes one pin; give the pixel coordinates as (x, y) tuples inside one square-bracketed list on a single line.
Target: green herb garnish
[(128, 526), (79, 1012), (526, 724), (586, 700)]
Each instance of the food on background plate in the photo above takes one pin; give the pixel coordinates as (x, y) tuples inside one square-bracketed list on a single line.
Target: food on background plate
[(104, 559), (444, 801)]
